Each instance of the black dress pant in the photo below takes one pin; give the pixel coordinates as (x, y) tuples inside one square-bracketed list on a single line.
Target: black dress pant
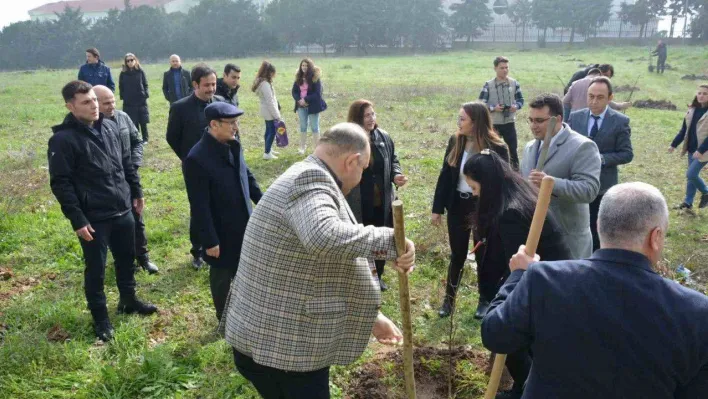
[(508, 132), (118, 234), (196, 249), (141, 250), (143, 127), (459, 228), (519, 366), (594, 210), (220, 282), (376, 218), (660, 65), (273, 383)]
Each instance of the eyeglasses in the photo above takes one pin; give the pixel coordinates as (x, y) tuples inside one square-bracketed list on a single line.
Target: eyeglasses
[(233, 123), (537, 121)]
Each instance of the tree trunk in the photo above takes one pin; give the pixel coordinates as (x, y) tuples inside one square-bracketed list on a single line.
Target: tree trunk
[(621, 25), (469, 38), (572, 35), (523, 36), (673, 24), (516, 30), (641, 31)]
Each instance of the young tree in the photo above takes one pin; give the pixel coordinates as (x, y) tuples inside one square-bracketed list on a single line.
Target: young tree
[(470, 18), (583, 16), (699, 24), (547, 14), (641, 12)]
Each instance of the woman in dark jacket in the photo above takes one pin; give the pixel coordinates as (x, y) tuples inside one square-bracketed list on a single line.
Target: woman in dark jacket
[(475, 133), (371, 199), (307, 93), (694, 135), (133, 88), (505, 207)]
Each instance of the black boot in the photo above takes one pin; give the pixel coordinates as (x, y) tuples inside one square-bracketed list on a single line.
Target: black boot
[(101, 324), (197, 262), (482, 309), (704, 201), (132, 305), (446, 308), (379, 272), (147, 265)]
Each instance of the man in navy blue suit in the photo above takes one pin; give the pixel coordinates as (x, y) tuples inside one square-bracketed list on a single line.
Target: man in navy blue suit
[(608, 326)]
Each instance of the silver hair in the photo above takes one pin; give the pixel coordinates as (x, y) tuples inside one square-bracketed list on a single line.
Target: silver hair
[(628, 212), (344, 138)]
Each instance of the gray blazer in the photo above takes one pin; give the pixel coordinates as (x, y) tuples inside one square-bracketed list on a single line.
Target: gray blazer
[(574, 161), (613, 141), (304, 297)]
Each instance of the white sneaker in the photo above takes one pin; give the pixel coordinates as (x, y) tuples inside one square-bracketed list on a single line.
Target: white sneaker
[(301, 151), (274, 152), (269, 156)]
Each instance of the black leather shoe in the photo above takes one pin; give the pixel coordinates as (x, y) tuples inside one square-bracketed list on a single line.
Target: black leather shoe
[(136, 306), (103, 330), (704, 201), (482, 309), (383, 285), (148, 266), (445, 309), (685, 205), (197, 262)]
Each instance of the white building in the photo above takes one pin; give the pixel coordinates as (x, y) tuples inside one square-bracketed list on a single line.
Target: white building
[(96, 9)]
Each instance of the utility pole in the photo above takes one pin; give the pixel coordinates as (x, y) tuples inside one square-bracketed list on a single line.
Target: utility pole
[(685, 22)]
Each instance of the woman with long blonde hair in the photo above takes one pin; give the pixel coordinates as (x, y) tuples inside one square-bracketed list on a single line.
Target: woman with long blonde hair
[(133, 90), (475, 133), (270, 109)]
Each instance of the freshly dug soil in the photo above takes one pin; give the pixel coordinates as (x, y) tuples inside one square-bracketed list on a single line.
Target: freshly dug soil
[(655, 104), (625, 88), (694, 77), (368, 381)]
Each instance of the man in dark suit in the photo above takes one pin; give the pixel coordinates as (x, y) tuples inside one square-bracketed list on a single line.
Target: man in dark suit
[(220, 188), (176, 82), (608, 326), (185, 126), (610, 130)]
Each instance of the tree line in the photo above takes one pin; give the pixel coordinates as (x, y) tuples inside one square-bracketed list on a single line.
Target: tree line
[(237, 28)]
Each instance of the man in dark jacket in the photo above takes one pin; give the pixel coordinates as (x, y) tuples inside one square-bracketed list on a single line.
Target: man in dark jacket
[(228, 86), (176, 82), (608, 326), (220, 188), (95, 72), (185, 126), (662, 53), (130, 136), (610, 130), (92, 176)]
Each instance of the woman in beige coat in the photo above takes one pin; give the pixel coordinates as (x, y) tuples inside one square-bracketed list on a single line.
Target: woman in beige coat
[(270, 109)]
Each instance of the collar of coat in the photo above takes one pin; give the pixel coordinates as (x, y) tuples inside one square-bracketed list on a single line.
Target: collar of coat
[(323, 164), (70, 122)]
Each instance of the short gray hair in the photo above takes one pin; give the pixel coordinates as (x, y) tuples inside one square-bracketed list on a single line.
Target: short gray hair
[(629, 211), (345, 138)]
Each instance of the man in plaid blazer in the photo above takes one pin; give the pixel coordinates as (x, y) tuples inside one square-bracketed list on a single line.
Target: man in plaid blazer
[(304, 297)]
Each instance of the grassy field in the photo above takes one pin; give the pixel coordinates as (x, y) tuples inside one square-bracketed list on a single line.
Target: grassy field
[(47, 347)]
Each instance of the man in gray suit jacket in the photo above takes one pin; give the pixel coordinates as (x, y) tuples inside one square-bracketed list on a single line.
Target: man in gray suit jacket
[(304, 297), (610, 130), (574, 162)]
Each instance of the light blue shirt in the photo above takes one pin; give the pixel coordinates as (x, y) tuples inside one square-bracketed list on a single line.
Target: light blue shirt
[(591, 120)]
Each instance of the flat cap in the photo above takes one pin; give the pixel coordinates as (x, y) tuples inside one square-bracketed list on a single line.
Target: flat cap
[(221, 110)]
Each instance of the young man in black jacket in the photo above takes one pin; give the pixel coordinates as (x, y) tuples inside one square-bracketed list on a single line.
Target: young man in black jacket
[(92, 176), (228, 86)]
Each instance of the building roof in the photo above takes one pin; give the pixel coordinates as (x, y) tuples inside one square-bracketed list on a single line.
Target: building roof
[(94, 5)]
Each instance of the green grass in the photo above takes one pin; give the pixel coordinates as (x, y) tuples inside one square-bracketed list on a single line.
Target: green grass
[(177, 354)]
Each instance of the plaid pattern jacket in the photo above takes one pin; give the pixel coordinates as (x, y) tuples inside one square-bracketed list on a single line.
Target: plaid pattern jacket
[(304, 297)]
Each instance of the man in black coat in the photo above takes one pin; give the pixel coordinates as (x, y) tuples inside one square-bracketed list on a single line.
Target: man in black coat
[(185, 126), (92, 176), (228, 86), (130, 136), (608, 326), (176, 82), (662, 53), (606, 70), (220, 188)]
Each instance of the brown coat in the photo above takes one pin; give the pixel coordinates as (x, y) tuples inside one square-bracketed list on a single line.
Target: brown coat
[(701, 133)]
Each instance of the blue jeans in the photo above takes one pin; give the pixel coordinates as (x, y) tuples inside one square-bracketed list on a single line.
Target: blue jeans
[(693, 179), (269, 135), (314, 120)]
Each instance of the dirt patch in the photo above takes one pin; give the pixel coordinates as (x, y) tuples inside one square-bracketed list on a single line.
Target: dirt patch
[(431, 367), (637, 59), (655, 104), (6, 273), (57, 334), (19, 286), (625, 88), (694, 77), (574, 60)]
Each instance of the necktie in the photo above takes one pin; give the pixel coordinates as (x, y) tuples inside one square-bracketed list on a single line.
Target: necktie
[(595, 128)]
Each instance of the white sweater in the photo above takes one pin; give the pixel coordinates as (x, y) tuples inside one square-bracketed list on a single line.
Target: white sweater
[(269, 104)]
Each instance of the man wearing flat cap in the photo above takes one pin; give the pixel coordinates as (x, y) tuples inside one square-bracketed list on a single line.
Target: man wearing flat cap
[(220, 188)]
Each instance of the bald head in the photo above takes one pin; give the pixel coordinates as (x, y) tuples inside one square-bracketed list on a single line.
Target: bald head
[(634, 216), (106, 100), (175, 61), (345, 149)]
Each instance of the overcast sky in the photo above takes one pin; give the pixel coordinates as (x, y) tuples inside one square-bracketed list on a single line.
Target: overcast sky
[(16, 10)]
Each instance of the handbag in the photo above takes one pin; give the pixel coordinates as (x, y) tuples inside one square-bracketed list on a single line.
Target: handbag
[(281, 134)]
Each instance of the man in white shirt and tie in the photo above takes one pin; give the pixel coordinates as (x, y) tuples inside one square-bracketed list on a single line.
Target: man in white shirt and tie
[(610, 130)]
